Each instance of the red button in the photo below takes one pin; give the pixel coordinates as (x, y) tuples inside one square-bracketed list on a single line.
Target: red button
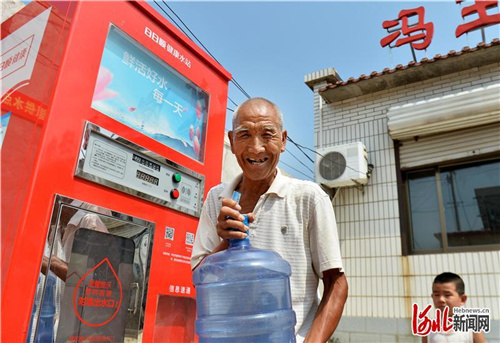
[(174, 193)]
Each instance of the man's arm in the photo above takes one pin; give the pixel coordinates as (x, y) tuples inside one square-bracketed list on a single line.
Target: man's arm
[(330, 308), (223, 245), (57, 266), (478, 337)]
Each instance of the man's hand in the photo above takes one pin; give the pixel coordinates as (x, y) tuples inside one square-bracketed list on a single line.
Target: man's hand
[(230, 219)]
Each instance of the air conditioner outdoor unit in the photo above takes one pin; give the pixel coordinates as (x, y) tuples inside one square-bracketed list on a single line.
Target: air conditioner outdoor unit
[(342, 165)]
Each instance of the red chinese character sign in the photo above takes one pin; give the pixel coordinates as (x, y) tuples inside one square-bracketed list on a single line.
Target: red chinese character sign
[(484, 19), (25, 106), (418, 35)]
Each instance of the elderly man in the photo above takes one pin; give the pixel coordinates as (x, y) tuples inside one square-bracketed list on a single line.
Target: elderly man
[(292, 217)]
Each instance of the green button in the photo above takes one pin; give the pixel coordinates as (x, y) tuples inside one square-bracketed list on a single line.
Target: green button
[(176, 177)]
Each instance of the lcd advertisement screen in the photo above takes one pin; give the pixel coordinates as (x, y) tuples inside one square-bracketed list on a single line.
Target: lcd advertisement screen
[(140, 90)]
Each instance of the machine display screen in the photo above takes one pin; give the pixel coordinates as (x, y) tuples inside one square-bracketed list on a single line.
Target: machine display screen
[(146, 177), (139, 89), (145, 162)]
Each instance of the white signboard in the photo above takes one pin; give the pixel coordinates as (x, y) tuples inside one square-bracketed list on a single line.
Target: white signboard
[(19, 52)]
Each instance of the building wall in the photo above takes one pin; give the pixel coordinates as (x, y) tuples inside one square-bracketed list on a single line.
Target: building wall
[(382, 282), (9, 7)]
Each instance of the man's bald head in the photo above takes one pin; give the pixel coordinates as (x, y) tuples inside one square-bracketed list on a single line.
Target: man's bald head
[(258, 102)]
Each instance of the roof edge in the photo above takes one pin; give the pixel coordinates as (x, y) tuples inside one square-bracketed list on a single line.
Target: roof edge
[(329, 75), (440, 65)]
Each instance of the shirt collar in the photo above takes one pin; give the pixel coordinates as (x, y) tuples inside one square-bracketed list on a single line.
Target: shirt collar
[(279, 186), (228, 191)]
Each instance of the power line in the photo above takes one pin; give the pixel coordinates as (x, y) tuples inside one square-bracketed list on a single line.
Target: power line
[(236, 83), (189, 30), (299, 147), (180, 28), (233, 80), (172, 19), (300, 161), (235, 104), (298, 171)]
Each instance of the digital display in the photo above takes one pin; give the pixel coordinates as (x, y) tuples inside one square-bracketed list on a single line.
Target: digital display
[(146, 177), (145, 162), (139, 89)]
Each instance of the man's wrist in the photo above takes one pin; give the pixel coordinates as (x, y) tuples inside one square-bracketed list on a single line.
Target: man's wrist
[(223, 245)]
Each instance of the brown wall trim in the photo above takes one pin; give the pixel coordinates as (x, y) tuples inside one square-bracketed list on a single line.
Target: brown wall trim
[(403, 212)]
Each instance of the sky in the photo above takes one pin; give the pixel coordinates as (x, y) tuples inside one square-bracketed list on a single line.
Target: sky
[(269, 47)]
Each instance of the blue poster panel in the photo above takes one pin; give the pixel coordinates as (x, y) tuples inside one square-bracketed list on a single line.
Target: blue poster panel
[(4, 121), (140, 90)]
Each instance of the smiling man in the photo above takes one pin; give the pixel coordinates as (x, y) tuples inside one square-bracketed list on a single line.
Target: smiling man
[(292, 217)]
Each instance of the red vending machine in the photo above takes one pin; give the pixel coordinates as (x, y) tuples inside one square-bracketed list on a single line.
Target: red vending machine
[(112, 133)]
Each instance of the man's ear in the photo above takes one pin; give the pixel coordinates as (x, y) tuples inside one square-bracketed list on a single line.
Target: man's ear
[(463, 299), (283, 140), (230, 136)]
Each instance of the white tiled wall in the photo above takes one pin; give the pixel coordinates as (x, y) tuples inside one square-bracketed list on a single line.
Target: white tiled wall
[(382, 282)]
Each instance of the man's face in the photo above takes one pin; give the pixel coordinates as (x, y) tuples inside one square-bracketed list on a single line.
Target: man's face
[(257, 140), (445, 295)]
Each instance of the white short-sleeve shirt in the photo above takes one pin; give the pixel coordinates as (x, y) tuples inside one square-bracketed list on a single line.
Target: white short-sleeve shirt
[(451, 337), (294, 218)]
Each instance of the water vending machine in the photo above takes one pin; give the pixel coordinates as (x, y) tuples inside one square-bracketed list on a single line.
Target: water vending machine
[(111, 134)]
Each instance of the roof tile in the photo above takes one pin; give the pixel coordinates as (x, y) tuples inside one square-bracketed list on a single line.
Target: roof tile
[(412, 64)]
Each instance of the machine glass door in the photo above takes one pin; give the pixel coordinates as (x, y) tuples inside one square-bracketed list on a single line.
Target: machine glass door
[(93, 279)]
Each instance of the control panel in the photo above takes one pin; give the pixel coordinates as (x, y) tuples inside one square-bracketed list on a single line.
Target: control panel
[(115, 162)]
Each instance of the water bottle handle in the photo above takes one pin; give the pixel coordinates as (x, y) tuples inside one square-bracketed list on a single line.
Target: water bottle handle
[(236, 196), (240, 241)]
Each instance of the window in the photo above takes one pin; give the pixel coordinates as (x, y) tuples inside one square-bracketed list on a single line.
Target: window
[(454, 208)]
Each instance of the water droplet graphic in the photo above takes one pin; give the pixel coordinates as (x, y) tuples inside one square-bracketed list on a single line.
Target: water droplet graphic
[(98, 295)]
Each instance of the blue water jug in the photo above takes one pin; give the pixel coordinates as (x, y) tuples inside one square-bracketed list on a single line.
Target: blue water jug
[(243, 295), (45, 331), (33, 313)]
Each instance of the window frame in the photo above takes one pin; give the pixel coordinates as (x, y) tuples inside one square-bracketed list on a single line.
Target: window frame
[(405, 213)]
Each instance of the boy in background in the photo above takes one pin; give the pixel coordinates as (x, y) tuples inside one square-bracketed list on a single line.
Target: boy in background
[(448, 290)]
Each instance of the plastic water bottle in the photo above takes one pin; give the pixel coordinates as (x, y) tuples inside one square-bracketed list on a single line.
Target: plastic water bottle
[(33, 313), (243, 295), (45, 330)]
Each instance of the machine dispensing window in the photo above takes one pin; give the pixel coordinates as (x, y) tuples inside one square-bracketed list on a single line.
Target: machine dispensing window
[(140, 90), (94, 276), (175, 318)]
